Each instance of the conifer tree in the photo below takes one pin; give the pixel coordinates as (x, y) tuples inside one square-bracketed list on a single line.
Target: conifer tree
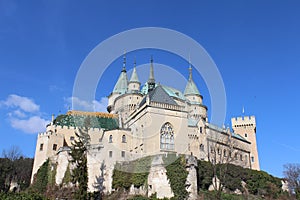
[(78, 155)]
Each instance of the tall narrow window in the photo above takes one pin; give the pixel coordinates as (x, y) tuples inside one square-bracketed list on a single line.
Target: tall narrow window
[(201, 129), (110, 139), (123, 154), (54, 147), (41, 147), (110, 154), (167, 137), (124, 138)]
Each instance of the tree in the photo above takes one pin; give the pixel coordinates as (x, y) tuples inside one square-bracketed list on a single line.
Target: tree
[(221, 153), (292, 174), (14, 153), (78, 155)]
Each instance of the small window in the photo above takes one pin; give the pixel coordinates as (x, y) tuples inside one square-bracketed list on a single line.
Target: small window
[(219, 151), (201, 147), (212, 149), (41, 147), (225, 153), (54, 147), (236, 156), (72, 138), (241, 157), (110, 139), (110, 154), (246, 135), (201, 129), (252, 158), (124, 139), (123, 154)]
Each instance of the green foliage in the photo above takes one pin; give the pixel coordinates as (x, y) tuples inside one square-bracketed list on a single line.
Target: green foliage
[(261, 183), (17, 170), (67, 177), (134, 172), (177, 175), (21, 196), (41, 178), (6, 169), (205, 175), (257, 182), (79, 159)]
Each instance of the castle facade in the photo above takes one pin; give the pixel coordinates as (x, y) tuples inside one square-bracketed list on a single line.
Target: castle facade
[(147, 120)]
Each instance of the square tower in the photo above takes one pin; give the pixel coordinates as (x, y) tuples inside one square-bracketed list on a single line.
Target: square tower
[(246, 127)]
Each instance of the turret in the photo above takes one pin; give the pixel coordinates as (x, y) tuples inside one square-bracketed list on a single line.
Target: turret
[(196, 108), (120, 88), (151, 80), (191, 91), (134, 83)]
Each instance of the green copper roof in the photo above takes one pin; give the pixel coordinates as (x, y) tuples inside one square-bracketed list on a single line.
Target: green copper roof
[(78, 121), (191, 87), (173, 92), (122, 83), (134, 76)]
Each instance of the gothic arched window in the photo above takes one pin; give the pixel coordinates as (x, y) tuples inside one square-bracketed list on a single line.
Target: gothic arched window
[(167, 137)]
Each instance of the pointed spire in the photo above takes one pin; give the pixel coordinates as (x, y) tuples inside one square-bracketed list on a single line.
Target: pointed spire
[(191, 87), (190, 69), (134, 76), (151, 80), (122, 83), (124, 62)]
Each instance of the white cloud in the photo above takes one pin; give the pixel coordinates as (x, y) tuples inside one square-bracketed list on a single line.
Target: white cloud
[(24, 103), (79, 104), (34, 124), (19, 113), (101, 105)]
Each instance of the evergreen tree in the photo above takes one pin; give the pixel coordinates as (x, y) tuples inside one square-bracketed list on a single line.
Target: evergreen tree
[(78, 155)]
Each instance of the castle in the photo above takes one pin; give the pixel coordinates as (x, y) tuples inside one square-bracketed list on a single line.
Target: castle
[(144, 120)]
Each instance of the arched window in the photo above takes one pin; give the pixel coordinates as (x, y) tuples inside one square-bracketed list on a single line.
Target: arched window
[(167, 137), (124, 138), (110, 139)]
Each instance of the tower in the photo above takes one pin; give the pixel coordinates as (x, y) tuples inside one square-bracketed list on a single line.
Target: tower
[(151, 80), (246, 127), (197, 109), (134, 83), (120, 88)]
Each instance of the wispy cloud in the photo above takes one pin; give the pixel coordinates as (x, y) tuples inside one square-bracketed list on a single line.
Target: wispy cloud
[(24, 114), (33, 124), (23, 103), (79, 104)]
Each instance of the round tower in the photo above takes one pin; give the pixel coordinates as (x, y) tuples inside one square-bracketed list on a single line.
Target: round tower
[(191, 93), (120, 88)]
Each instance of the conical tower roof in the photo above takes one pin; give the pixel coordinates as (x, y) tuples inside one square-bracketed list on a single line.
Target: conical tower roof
[(134, 76), (122, 83), (191, 88)]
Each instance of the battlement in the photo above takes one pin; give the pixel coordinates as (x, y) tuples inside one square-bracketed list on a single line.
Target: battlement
[(246, 121), (93, 114)]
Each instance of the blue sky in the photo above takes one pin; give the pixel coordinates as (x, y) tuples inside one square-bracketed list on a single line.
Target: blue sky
[(255, 45)]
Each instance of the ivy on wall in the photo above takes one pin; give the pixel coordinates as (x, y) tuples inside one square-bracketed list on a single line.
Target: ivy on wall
[(177, 175)]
